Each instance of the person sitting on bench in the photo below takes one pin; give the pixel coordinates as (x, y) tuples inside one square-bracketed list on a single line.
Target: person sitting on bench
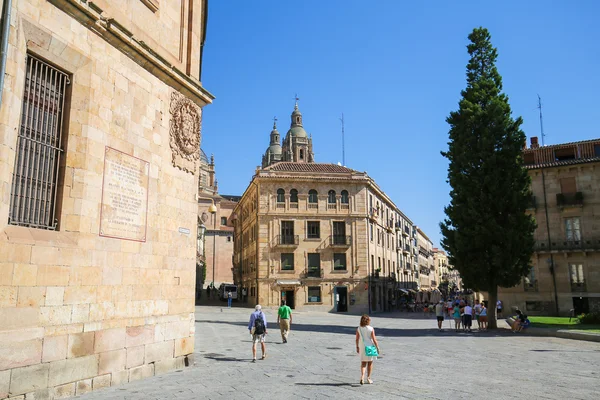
[(520, 321)]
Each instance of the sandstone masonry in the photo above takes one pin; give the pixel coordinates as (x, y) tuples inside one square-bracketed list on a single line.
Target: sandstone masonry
[(102, 292)]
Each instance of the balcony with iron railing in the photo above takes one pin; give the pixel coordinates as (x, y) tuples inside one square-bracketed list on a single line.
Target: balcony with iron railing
[(408, 285), (313, 272), (406, 231), (287, 240), (340, 241), (587, 244), (406, 249), (569, 199), (578, 287)]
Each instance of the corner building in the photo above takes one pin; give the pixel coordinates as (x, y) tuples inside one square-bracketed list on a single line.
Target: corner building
[(565, 181), (319, 236), (99, 145)]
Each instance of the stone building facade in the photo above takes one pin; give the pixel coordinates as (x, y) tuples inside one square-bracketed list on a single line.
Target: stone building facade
[(444, 273), (215, 232), (320, 236), (99, 136), (427, 272), (566, 205)]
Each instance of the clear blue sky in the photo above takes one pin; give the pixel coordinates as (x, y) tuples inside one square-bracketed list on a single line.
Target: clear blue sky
[(395, 69)]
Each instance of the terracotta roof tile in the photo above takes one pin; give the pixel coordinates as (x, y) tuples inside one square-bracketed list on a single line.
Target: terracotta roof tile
[(563, 163), (286, 166)]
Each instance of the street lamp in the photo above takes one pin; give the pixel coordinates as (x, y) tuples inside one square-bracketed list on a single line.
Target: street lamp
[(213, 210)]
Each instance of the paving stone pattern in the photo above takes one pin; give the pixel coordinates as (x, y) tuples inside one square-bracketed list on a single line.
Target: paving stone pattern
[(418, 362)]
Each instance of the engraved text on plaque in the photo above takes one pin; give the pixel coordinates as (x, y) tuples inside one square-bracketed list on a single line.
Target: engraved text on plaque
[(124, 196)]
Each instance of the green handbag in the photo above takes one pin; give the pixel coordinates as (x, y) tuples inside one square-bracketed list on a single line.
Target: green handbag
[(370, 351)]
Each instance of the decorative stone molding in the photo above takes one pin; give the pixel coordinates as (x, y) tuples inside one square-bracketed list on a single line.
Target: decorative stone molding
[(151, 4), (185, 135), (94, 18)]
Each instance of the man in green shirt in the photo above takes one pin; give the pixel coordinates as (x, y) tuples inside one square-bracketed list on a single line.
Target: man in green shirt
[(284, 319)]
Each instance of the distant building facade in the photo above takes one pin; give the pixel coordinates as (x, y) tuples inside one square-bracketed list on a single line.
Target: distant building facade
[(215, 233), (427, 274), (566, 262), (444, 272), (319, 236)]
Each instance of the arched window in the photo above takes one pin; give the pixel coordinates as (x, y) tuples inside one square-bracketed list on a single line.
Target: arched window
[(280, 195), (331, 197), (293, 196), (301, 154), (344, 197), (312, 196)]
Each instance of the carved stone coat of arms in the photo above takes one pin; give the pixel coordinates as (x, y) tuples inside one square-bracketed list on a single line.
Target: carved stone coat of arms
[(185, 132)]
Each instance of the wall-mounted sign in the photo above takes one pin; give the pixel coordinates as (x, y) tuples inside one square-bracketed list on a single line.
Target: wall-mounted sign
[(124, 207)]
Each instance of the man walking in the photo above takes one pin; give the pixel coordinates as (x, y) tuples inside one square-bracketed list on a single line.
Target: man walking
[(258, 329), (284, 320), (229, 299), (439, 313)]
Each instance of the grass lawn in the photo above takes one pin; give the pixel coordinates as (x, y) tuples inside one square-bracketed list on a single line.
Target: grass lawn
[(562, 323)]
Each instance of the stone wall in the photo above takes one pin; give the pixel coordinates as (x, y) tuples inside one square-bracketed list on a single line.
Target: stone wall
[(81, 310), (540, 298)]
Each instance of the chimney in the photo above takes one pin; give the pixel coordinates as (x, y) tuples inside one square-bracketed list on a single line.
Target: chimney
[(534, 142)]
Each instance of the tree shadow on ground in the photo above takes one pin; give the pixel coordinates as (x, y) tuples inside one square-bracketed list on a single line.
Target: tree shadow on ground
[(383, 332), (328, 384), (563, 351)]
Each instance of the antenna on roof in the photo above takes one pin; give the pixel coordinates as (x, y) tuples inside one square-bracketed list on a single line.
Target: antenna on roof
[(541, 119), (343, 148)]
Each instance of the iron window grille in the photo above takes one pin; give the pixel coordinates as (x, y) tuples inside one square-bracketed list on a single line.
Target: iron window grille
[(39, 147)]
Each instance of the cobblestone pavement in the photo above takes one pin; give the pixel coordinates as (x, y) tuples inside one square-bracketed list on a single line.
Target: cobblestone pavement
[(418, 362)]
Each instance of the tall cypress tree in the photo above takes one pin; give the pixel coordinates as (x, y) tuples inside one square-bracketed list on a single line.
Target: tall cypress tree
[(487, 233)]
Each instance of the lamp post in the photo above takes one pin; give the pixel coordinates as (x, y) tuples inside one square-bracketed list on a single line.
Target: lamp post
[(213, 210)]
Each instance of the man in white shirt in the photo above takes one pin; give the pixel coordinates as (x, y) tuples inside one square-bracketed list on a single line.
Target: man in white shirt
[(467, 317)]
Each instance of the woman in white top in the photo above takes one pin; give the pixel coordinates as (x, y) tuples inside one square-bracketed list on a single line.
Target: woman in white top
[(365, 336), (483, 319)]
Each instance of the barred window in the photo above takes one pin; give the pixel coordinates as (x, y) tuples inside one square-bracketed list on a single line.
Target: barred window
[(39, 147)]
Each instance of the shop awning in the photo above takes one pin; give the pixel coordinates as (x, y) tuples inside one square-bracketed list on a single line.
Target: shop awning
[(288, 283), (403, 291), (412, 291)]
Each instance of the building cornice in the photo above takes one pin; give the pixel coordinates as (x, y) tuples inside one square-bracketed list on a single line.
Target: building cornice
[(95, 19)]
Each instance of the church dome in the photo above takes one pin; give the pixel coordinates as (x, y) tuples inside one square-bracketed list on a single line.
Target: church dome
[(297, 131), (203, 158), (274, 149)]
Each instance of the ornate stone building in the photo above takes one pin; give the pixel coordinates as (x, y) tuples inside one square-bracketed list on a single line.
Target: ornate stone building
[(297, 146), (566, 205), (215, 233), (320, 236), (99, 134)]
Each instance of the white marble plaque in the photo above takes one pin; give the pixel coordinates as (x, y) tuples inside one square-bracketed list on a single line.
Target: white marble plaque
[(124, 207)]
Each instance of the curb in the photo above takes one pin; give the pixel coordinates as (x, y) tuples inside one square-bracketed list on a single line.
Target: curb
[(560, 333)]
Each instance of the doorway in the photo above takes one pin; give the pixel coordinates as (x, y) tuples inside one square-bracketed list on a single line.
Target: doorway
[(581, 305), (341, 298), (288, 296)]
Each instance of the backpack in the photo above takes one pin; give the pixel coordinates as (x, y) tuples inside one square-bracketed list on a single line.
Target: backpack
[(259, 325)]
